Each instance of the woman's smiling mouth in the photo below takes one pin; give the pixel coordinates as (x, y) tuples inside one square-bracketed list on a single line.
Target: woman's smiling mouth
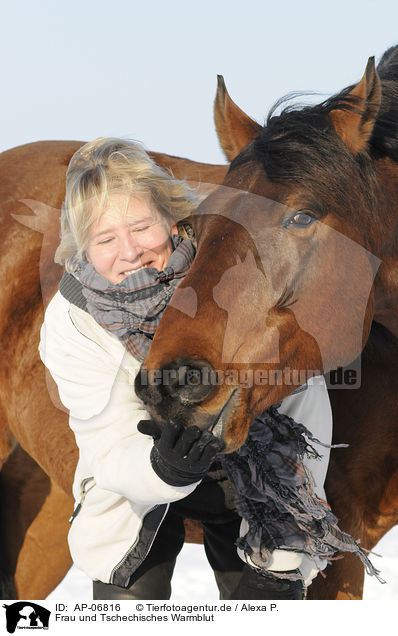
[(127, 272)]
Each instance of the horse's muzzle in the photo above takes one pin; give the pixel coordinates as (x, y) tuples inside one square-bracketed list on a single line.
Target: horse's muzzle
[(175, 390)]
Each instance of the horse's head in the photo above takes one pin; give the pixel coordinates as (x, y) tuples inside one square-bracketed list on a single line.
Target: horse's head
[(282, 284)]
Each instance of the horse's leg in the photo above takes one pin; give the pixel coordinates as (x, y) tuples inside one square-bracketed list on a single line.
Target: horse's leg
[(7, 445), (345, 577), (33, 528), (44, 558), (343, 580), (193, 531), (362, 480)]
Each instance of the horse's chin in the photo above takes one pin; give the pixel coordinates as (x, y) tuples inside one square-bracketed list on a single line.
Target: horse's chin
[(229, 423)]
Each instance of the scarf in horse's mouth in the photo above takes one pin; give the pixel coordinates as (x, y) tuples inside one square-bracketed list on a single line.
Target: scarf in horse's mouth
[(276, 498), (132, 309)]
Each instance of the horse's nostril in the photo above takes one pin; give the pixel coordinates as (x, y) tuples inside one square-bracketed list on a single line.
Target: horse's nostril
[(191, 381), (147, 391), (185, 382)]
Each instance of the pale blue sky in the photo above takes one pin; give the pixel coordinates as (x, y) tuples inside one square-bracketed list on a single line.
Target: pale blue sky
[(91, 68)]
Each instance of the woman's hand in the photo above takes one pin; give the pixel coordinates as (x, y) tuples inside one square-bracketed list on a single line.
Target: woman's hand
[(181, 456)]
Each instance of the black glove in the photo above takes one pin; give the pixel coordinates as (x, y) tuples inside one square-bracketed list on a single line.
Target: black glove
[(180, 456)]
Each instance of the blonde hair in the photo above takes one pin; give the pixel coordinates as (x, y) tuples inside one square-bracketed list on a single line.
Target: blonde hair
[(107, 164)]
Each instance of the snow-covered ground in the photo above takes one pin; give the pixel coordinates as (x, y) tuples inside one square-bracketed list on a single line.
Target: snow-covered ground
[(193, 578)]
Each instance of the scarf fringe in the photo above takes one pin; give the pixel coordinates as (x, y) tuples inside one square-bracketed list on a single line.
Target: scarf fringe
[(277, 499)]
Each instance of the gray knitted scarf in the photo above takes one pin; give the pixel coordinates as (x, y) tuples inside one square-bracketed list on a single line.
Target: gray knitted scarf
[(133, 308)]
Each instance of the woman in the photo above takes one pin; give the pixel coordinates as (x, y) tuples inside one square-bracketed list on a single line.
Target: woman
[(123, 258)]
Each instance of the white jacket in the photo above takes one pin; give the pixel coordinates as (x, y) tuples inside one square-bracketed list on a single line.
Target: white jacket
[(122, 499), (121, 502)]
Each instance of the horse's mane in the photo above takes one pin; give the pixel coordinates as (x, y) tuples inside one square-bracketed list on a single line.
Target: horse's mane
[(297, 144), (301, 145), (385, 133)]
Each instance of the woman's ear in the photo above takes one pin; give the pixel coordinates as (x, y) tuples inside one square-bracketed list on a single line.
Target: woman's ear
[(174, 229), (88, 259)]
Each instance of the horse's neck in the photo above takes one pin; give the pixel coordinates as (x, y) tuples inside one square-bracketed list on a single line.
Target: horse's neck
[(386, 282), (386, 296)]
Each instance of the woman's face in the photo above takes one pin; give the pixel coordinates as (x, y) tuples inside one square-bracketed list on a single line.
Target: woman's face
[(129, 235)]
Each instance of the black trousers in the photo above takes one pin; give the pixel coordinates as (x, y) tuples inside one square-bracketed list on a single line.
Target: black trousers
[(211, 504), (152, 580)]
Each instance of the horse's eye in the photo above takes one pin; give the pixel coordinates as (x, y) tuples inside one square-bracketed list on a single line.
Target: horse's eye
[(301, 219)]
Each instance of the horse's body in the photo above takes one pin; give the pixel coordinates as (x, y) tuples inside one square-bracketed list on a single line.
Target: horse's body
[(297, 269), (37, 448)]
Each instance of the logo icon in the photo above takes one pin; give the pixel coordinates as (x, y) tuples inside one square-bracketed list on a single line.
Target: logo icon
[(26, 615)]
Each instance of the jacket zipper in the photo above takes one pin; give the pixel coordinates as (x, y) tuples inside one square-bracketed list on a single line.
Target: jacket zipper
[(133, 547)]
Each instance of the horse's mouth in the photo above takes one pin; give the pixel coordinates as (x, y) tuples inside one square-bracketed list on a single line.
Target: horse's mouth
[(217, 427)]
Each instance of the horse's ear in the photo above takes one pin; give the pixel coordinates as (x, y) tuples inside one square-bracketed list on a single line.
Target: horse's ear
[(234, 128), (354, 118)]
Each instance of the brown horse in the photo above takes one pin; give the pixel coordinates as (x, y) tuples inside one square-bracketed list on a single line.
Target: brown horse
[(296, 272), (37, 449), (35, 482)]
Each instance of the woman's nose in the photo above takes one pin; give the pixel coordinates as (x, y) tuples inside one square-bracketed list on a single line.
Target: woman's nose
[(128, 248)]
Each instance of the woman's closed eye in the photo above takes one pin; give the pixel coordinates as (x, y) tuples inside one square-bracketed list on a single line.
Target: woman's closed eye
[(106, 240)]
